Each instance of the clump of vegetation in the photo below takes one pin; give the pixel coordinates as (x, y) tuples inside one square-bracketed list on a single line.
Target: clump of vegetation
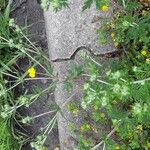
[(14, 47), (59, 4), (7, 140), (121, 97)]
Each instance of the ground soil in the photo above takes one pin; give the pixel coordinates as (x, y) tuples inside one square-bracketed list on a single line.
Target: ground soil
[(29, 13)]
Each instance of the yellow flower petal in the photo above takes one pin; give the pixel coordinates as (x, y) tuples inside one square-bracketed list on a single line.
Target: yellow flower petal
[(32, 72), (104, 8), (117, 147), (32, 75), (112, 34), (116, 44), (148, 60), (144, 52)]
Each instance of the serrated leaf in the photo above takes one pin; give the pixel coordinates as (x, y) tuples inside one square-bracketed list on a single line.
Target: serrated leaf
[(87, 4)]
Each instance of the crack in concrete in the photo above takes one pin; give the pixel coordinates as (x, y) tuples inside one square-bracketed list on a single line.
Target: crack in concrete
[(108, 54)]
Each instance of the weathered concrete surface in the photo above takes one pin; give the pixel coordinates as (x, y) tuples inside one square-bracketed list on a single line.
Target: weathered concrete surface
[(68, 140), (70, 29)]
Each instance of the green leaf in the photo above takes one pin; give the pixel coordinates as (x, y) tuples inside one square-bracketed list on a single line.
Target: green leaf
[(87, 4)]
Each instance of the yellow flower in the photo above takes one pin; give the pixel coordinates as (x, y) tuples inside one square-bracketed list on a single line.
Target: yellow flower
[(104, 8), (75, 112), (116, 44), (117, 147), (140, 127), (112, 34), (144, 52), (85, 127), (32, 72), (148, 60)]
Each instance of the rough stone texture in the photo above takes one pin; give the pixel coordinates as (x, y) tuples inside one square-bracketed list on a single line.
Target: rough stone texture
[(68, 139), (70, 29)]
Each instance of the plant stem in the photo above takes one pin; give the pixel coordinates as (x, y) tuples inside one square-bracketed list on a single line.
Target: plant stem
[(101, 81), (108, 136), (141, 81), (43, 114), (42, 78)]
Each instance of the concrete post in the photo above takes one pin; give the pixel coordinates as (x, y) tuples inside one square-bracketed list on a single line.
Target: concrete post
[(69, 31)]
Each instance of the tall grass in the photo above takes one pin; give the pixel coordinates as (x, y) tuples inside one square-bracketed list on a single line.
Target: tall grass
[(7, 140)]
